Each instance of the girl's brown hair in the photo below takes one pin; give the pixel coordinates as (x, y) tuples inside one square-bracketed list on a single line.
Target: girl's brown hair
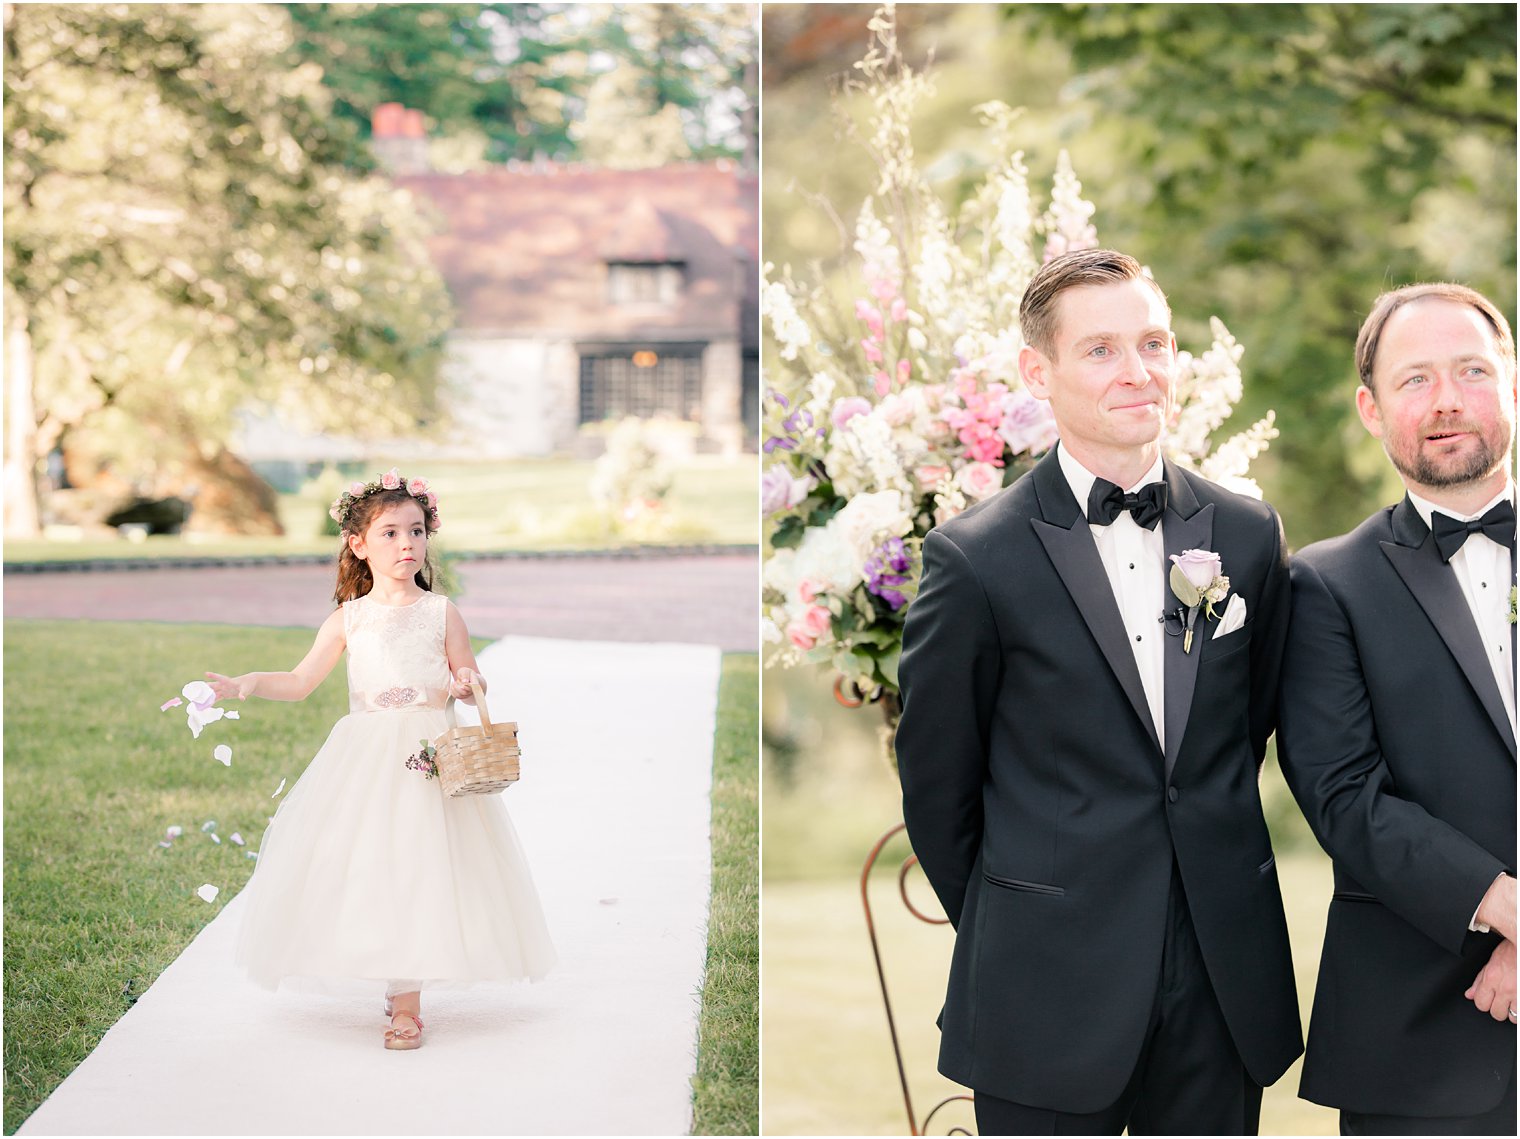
[(354, 578)]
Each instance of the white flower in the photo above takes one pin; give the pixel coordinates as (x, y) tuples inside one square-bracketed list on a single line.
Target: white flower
[(791, 331)]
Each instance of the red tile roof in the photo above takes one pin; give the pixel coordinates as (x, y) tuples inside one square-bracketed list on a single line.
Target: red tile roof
[(524, 252)]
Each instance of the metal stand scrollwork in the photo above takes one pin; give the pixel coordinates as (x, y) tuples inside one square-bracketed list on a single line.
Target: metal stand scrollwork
[(914, 1126)]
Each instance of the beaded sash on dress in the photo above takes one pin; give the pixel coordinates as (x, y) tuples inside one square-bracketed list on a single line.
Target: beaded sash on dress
[(396, 658)]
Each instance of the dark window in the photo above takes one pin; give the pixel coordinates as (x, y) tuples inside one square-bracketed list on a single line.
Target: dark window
[(642, 381), (749, 398)]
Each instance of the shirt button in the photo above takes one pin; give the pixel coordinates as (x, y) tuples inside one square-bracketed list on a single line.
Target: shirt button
[(1131, 565), (1138, 637)]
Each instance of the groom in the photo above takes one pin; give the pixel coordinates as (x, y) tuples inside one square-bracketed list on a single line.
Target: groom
[(1398, 736), (1079, 754)]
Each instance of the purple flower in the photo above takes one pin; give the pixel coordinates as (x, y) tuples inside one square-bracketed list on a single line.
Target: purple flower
[(848, 408), (886, 571), (780, 491), (1028, 426)]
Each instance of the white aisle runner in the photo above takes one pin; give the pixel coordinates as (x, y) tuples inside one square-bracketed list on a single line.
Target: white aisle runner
[(613, 811)]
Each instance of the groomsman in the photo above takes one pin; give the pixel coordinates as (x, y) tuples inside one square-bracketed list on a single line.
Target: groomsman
[(1079, 748), (1398, 736)]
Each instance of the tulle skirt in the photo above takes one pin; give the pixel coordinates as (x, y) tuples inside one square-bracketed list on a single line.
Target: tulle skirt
[(370, 873)]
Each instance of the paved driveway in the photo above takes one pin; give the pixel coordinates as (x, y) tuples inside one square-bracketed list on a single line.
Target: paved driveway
[(708, 599)]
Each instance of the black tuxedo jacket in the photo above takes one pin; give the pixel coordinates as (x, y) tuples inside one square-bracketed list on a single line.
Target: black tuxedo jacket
[(1395, 742), (1048, 818)]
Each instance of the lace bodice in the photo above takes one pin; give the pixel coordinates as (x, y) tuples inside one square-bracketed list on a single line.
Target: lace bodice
[(396, 657)]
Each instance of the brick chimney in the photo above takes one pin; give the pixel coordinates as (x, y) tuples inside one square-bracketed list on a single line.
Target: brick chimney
[(399, 140)]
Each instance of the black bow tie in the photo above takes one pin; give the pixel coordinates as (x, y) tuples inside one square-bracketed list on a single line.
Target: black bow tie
[(1450, 533), (1105, 502)]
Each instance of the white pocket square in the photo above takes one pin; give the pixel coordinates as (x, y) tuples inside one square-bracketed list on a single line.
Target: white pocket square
[(1234, 616)]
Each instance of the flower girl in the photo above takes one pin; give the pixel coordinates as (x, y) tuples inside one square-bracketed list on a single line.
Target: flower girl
[(368, 870)]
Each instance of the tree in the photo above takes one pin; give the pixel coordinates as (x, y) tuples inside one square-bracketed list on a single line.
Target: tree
[(1287, 163), (182, 239), (684, 75), (506, 72)]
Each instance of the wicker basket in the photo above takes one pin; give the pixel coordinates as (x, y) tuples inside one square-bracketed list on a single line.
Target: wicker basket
[(477, 761)]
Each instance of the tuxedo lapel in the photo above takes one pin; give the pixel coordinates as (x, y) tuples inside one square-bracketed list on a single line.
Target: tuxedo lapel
[(1068, 542), (1183, 527), (1434, 585)]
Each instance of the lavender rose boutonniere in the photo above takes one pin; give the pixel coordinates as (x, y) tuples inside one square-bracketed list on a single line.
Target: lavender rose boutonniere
[(1197, 582)]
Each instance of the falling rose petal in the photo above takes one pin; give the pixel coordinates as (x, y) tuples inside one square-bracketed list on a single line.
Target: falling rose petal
[(198, 692), (236, 839), (278, 789), (209, 825), (175, 831), (199, 716), (251, 853), (212, 836), (208, 892), (167, 704), (233, 715), (222, 754)]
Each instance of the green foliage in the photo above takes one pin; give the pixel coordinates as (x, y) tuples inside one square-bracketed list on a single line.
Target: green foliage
[(1286, 163), (496, 69), (726, 1086), (182, 237)]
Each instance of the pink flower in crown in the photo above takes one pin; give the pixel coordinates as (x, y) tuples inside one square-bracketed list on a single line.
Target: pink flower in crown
[(332, 511), (356, 489), (432, 501), (391, 480), (417, 487)]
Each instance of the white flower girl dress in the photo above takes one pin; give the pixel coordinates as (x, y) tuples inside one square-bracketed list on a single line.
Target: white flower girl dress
[(368, 870)]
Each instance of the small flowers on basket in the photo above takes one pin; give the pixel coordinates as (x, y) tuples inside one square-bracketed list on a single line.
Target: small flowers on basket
[(1197, 582), (425, 760)]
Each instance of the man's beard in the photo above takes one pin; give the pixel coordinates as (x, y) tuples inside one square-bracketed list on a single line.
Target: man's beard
[(1453, 470)]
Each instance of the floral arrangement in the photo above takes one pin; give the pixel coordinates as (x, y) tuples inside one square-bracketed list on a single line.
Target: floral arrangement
[(391, 480), (424, 761), (888, 415)]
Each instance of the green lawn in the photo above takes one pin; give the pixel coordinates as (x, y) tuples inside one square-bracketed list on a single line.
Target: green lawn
[(94, 774), (524, 504), (726, 1088)]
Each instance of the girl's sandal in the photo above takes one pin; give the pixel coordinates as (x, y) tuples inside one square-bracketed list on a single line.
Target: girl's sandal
[(403, 1039)]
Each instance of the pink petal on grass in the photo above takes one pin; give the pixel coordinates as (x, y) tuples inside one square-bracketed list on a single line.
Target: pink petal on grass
[(175, 702), (236, 839), (232, 715), (214, 839), (222, 754), (209, 825), (175, 831), (208, 892), (165, 843), (198, 692)]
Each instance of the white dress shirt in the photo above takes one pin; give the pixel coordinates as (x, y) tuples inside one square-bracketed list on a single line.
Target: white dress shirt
[(1135, 560), (1486, 575)]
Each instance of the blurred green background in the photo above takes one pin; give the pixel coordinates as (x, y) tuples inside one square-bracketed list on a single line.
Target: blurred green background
[(1276, 166)]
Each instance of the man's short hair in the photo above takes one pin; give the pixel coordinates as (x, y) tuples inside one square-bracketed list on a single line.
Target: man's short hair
[(1385, 306), (1037, 311)]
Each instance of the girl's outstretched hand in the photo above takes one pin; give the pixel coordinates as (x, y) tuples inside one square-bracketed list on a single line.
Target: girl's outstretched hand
[(226, 687), (460, 684)]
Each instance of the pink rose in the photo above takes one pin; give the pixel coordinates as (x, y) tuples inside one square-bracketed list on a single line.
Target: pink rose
[(417, 487), (391, 480), (848, 408), (1028, 427), (944, 512), (356, 489), (797, 633), (807, 590), (978, 480), (895, 409), (817, 620), (929, 476), (333, 512), (1200, 567), (432, 500)]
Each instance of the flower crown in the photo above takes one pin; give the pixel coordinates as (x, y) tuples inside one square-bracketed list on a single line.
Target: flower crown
[(391, 480)]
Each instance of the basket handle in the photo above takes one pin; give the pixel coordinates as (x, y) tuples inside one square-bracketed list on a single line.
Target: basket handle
[(481, 707)]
